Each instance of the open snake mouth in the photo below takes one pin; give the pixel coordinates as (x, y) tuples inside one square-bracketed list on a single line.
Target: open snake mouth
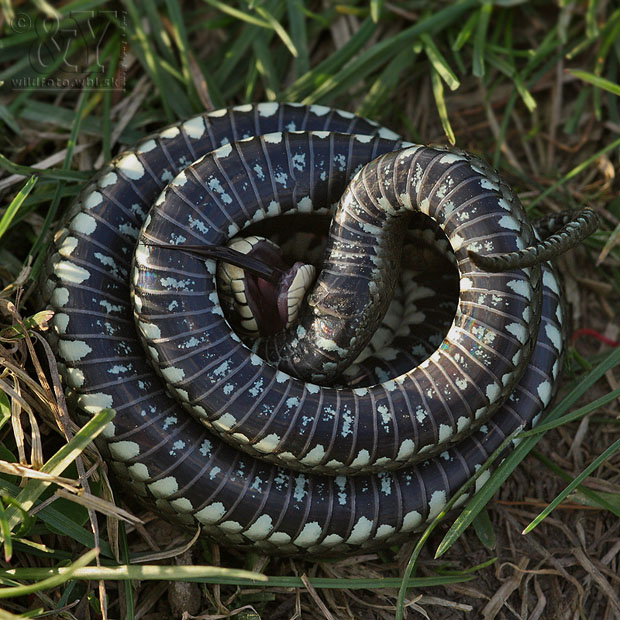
[(256, 306)]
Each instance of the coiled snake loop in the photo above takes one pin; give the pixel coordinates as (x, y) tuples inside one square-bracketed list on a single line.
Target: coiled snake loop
[(270, 464)]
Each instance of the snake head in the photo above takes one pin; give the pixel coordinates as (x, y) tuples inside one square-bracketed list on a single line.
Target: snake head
[(262, 307)]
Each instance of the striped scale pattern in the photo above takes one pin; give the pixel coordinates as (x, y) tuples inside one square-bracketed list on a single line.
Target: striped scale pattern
[(181, 466)]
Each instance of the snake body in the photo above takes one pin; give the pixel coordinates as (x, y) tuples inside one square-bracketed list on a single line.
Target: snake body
[(494, 371)]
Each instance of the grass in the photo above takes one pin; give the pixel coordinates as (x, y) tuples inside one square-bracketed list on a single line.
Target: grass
[(532, 87)]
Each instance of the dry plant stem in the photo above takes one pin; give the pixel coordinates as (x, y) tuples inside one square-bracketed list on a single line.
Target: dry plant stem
[(316, 598)]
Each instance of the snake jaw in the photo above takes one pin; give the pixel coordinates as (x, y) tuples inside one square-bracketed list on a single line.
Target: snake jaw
[(293, 288), (264, 308)]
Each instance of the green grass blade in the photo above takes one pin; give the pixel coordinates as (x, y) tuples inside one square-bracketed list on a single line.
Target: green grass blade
[(369, 60), (52, 581), (50, 173), (574, 415), (216, 574), (484, 529), (8, 119), (276, 26), (174, 102), (376, 9), (106, 126), (7, 11), (266, 68), (442, 109), (235, 54), (59, 462), (578, 108), (64, 118), (297, 25), (183, 46), (5, 411), (596, 80), (575, 171), (238, 14), (439, 63), (58, 522), (574, 484), (6, 534), (157, 32), (606, 501), (124, 554), (383, 87), (466, 31), (400, 604), (16, 203), (592, 29), (36, 250), (510, 71), (481, 36), (304, 85)]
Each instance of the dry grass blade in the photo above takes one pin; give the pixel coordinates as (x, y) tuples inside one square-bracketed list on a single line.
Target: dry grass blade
[(316, 598), (26, 471), (611, 592), (171, 553), (494, 606), (92, 502)]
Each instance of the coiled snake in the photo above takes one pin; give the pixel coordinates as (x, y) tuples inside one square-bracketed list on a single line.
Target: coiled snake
[(271, 463)]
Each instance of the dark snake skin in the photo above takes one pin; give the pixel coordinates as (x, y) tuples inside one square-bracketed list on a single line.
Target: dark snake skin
[(495, 370)]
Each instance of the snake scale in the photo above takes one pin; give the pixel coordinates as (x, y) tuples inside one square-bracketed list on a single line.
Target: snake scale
[(273, 456)]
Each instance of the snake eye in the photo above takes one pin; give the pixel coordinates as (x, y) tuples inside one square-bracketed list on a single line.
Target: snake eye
[(326, 327)]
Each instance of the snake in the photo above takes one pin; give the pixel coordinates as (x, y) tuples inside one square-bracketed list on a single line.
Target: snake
[(255, 443)]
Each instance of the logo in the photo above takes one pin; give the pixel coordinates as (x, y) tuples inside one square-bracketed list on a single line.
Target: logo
[(82, 49)]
